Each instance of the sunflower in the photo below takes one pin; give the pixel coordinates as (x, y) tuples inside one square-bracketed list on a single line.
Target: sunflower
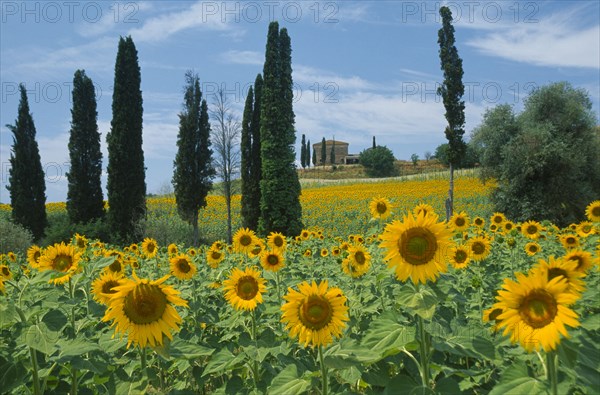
[(304, 234), (479, 222), (5, 272), (244, 289), (508, 226), (324, 252), (192, 251), (80, 241), (276, 241), (569, 241), (492, 315), (117, 266), (565, 268), (307, 253), (459, 221), (585, 229), (182, 267), (583, 259), (335, 251), (532, 248), (103, 286), (2, 286), (33, 256), (498, 219), (493, 227), (143, 310), (172, 249), (214, 257), (257, 248), (593, 211), (459, 256), (531, 229), (149, 247), (479, 248), (380, 208), (535, 310), (424, 208), (134, 248), (11, 256), (218, 245), (358, 261), (272, 261), (62, 259), (416, 247), (244, 240)]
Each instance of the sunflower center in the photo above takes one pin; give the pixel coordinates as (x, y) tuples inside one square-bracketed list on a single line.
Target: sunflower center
[(478, 248), (359, 257), (531, 229), (497, 219), (538, 309), (494, 315), (460, 221), (596, 211), (533, 248), (183, 266), (62, 263), (107, 287), (381, 208), (555, 272), (272, 260), (80, 243), (145, 304), (215, 255), (571, 240), (316, 312), (247, 288), (5, 271), (577, 259), (417, 246), (151, 247), (478, 221), (245, 240), (36, 256), (460, 256), (116, 266), (278, 241), (508, 226)]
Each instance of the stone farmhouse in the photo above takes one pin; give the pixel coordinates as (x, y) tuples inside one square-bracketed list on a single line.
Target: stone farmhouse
[(342, 157)]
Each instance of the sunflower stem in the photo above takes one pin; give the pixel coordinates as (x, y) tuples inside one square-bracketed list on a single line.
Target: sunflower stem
[(324, 383), (277, 281), (551, 358), (424, 353), (36, 378), (255, 362), (143, 359), (73, 370)]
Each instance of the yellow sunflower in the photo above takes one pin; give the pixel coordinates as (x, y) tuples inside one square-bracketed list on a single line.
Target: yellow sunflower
[(2, 286), (315, 314), (424, 208), (214, 257), (62, 259), (80, 241), (498, 219), (585, 229), (532, 248), (257, 248), (479, 222), (358, 261), (244, 289), (134, 248), (307, 253), (272, 261), (380, 208), (5, 272), (304, 234), (244, 240), (335, 251), (276, 241), (459, 221), (143, 310), (531, 229), (103, 286), (117, 266), (565, 268), (172, 249), (416, 247), (479, 248), (593, 211), (182, 267), (569, 241), (535, 310), (508, 226), (33, 256), (11, 256), (218, 245), (192, 251), (149, 247), (583, 259), (459, 256), (492, 314), (324, 252)]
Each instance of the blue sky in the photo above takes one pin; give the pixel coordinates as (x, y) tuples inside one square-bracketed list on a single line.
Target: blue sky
[(360, 69)]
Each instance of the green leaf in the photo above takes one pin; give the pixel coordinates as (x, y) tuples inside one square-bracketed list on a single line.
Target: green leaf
[(405, 385), (132, 387), (11, 375), (448, 386), (222, 361), (516, 380), (55, 320), (288, 381), (75, 347), (421, 301), (588, 361), (349, 353), (184, 349), (40, 338), (387, 337), (8, 315), (466, 346)]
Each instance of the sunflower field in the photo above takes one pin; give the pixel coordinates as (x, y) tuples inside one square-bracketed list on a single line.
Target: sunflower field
[(377, 295)]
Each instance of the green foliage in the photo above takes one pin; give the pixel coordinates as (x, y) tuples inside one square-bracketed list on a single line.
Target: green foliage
[(246, 156), (126, 184), (415, 159), (193, 171), (13, 237), (303, 152), (26, 176), (84, 197), (61, 229), (469, 159), (546, 158), (314, 157), (452, 88), (307, 156), (323, 152), (378, 162), (280, 187)]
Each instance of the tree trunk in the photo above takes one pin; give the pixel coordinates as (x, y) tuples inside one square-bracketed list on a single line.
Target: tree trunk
[(227, 186), (450, 200), (196, 233)]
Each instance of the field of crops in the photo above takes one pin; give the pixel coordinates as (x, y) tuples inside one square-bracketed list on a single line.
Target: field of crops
[(378, 295)]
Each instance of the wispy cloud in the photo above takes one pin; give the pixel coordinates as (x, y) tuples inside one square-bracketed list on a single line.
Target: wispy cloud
[(253, 58)]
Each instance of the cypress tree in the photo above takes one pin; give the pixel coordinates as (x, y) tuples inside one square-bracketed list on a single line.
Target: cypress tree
[(84, 197), (303, 153), (332, 153), (451, 90), (126, 172), (323, 152), (192, 169), (307, 157), (374, 145), (280, 187), (26, 176), (246, 160), (314, 157)]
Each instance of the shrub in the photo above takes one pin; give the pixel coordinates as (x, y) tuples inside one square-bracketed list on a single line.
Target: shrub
[(378, 162), (61, 230), (13, 237)]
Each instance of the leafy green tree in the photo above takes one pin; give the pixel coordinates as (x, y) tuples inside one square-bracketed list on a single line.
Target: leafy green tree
[(314, 157), (332, 154), (280, 187), (546, 158), (378, 161), (193, 171), (415, 159), (307, 156), (26, 176), (85, 201), (126, 184), (323, 152), (303, 152), (451, 90)]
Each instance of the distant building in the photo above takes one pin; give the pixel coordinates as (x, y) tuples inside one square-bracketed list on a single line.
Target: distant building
[(341, 153)]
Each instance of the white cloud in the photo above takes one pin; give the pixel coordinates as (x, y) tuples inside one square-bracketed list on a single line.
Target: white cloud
[(243, 57), (307, 75)]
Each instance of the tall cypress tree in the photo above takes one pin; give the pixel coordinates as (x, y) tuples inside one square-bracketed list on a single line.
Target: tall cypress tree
[(126, 173), (192, 168), (246, 160), (374, 145), (84, 197), (323, 152), (451, 90), (307, 154), (280, 187), (314, 157), (303, 152), (26, 176)]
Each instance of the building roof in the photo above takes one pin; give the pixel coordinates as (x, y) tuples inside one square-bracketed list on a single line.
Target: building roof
[(330, 142)]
